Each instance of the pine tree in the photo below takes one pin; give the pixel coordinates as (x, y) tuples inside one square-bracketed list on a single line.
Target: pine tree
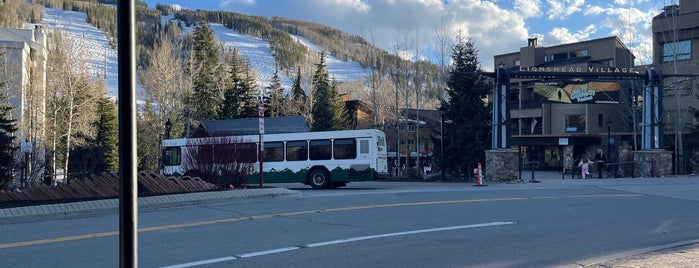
[(277, 99), (323, 108), (205, 98), (469, 133), (297, 92), (151, 131), (107, 136), (239, 97), (7, 147)]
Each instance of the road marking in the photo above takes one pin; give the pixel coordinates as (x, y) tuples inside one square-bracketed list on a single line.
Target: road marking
[(334, 242), (298, 213)]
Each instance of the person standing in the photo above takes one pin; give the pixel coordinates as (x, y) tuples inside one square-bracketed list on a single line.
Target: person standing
[(584, 167), (599, 159)]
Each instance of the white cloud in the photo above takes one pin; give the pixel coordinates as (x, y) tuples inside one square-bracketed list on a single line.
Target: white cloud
[(528, 8), (564, 36), (226, 3), (562, 9), (593, 10)]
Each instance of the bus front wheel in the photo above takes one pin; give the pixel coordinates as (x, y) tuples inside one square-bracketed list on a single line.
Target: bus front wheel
[(319, 179)]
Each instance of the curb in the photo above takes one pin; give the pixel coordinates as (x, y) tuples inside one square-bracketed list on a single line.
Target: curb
[(105, 206), (595, 262)]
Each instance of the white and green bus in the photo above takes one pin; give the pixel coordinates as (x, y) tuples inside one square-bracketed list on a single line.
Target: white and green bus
[(324, 159)]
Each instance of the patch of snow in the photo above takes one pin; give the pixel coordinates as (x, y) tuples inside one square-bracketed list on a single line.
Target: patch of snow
[(101, 57)]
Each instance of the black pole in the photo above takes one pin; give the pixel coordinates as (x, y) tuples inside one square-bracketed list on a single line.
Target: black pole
[(128, 196), (442, 110), (609, 144)]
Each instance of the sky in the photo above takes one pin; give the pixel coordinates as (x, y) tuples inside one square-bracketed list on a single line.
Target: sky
[(496, 26)]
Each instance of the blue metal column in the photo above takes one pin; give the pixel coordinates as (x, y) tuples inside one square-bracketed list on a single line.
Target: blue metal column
[(501, 115), (652, 127)]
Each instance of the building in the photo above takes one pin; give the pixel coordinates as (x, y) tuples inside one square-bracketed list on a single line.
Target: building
[(562, 112), (675, 39), (405, 142), (24, 53)]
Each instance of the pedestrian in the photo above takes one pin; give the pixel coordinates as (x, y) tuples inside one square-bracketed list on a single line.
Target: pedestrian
[(599, 159), (584, 167)]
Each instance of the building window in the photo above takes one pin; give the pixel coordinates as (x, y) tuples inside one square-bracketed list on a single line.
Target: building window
[(575, 123), (517, 63), (579, 53), (600, 120), (559, 56), (681, 49)]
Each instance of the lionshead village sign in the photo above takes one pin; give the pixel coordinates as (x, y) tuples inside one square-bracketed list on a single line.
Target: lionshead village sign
[(501, 160)]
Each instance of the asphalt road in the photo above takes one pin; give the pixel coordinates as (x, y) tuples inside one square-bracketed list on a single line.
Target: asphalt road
[(382, 224)]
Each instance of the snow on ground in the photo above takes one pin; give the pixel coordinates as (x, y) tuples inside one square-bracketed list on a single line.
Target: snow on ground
[(341, 70), (102, 57), (256, 50)]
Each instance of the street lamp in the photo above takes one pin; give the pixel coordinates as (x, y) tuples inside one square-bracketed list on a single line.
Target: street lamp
[(442, 111), (609, 142), (168, 128)]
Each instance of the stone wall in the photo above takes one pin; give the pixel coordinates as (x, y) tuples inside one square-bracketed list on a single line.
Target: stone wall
[(501, 165), (652, 163)]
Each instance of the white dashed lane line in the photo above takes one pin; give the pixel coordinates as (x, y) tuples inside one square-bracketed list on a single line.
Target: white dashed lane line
[(334, 242)]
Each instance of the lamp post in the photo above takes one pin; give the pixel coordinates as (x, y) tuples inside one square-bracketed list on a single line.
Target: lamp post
[(609, 143), (442, 111), (168, 128)]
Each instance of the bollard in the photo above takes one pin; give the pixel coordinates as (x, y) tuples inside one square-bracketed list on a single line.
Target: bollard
[(533, 180), (479, 176)]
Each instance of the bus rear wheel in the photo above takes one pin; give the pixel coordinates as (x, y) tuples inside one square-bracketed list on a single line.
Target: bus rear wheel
[(319, 179)]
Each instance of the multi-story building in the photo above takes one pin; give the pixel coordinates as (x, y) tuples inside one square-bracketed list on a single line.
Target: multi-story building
[(554, 120), (407, 142), (24, 53), (675, 39)]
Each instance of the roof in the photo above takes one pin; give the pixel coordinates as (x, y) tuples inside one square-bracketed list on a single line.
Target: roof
[(250, 126), (429, 115)]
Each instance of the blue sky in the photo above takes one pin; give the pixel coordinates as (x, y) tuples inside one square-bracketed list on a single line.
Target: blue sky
[(496, 26)]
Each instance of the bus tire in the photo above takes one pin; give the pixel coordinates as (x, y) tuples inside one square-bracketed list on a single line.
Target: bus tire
[(319, 179)]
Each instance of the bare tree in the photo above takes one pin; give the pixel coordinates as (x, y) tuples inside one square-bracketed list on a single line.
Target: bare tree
[(74, 94), (220, 160)]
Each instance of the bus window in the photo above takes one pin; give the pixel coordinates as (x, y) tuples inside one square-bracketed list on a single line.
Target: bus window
[(224, 153), (320, 150), (345, 149), (172, 156), (296, 151), (364, 147), (246, 152), (274, 151)]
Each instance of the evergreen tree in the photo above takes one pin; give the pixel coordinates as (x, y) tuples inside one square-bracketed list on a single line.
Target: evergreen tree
[(469, 133), (7, 147), (323, 108), (297, 92), (340, 114), (107, 136), (239, 98), (277, 99), (151, 131), (205, 98)]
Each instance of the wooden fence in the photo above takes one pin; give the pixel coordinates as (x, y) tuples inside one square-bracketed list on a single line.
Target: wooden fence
[(105, 185)]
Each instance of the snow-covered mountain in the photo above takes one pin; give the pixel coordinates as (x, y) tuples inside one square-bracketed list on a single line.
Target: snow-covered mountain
[(103, 58)]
